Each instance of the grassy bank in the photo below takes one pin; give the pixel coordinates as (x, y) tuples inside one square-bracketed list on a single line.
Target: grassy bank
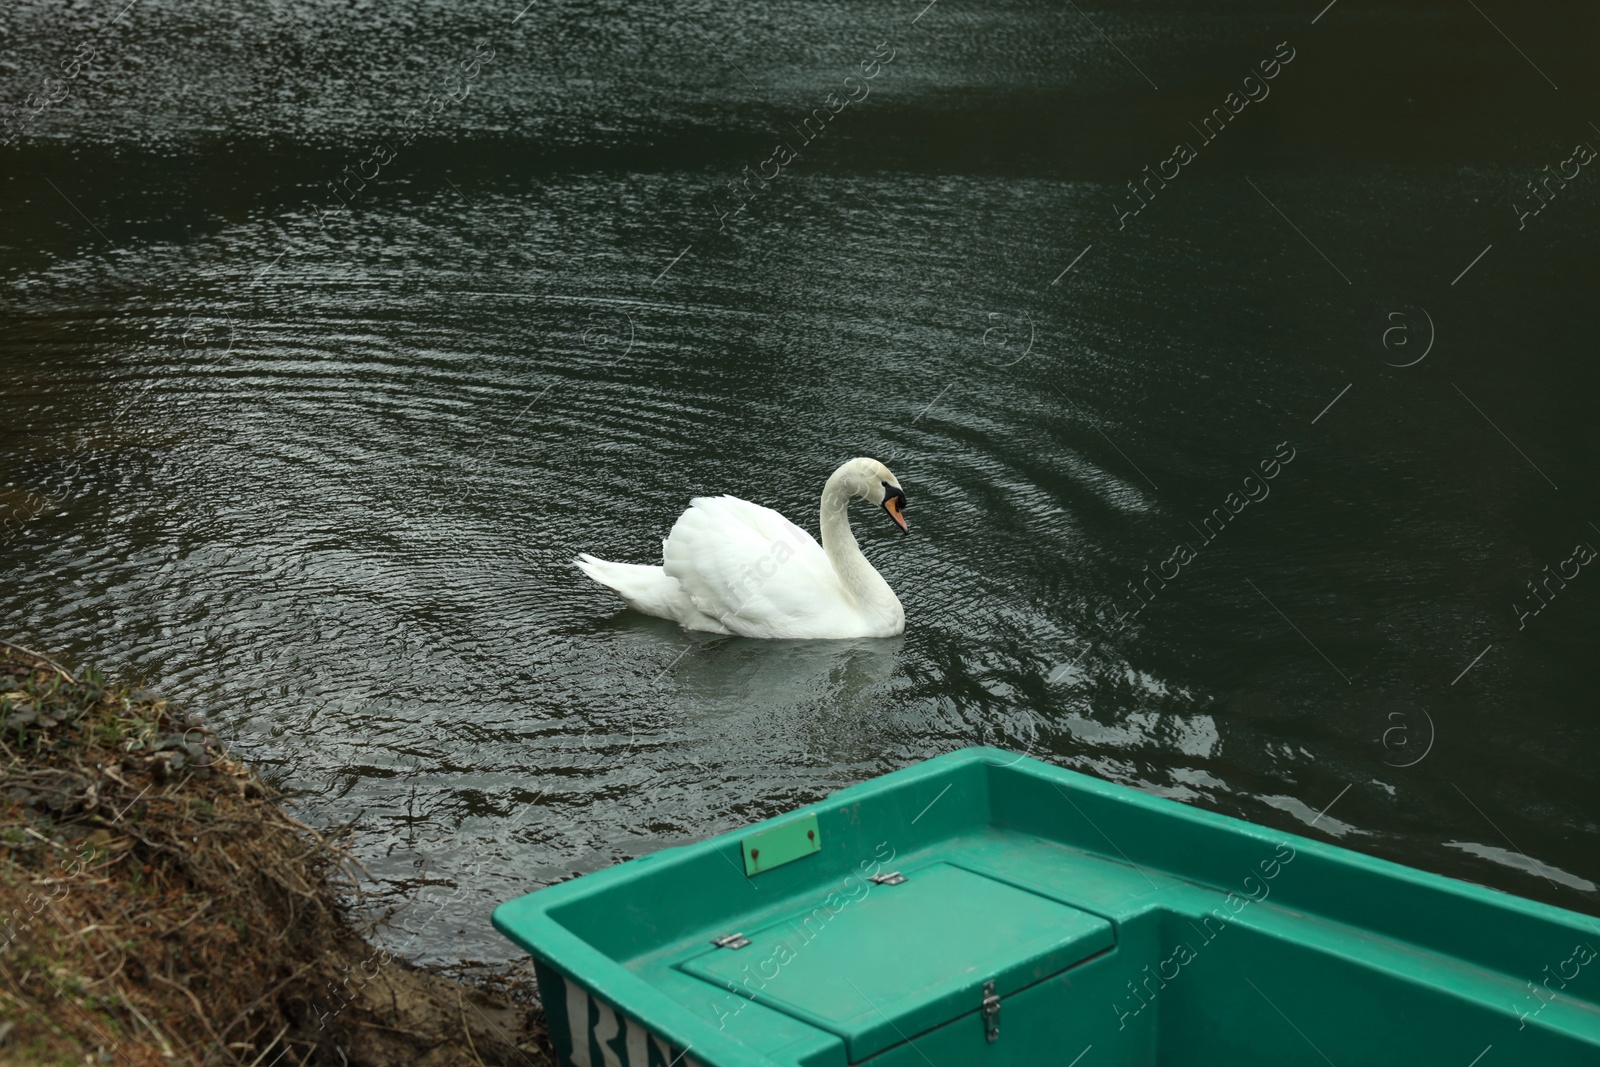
[(161, 905)]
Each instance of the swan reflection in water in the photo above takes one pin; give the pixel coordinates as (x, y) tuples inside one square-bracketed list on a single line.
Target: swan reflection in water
[(725, 677)]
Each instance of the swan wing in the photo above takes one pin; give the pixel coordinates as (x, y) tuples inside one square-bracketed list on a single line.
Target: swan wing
[(751, 569)]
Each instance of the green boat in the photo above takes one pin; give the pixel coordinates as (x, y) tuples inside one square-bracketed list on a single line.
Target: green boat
[(983, 908)]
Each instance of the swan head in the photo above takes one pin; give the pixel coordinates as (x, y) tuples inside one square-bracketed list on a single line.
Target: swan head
[(873, 482)]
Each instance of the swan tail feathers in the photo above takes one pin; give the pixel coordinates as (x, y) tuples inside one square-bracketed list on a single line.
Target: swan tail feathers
[(642, 587)]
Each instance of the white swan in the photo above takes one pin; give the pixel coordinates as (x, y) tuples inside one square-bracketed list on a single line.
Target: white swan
[(733, 567)]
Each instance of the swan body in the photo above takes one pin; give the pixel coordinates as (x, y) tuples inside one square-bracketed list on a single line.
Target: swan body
[(733, 567)]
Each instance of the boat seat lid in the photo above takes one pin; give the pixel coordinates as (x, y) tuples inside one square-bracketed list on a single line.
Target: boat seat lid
[(901, 959)]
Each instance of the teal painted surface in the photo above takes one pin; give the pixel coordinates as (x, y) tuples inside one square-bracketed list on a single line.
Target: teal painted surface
[(1144, 931), (905, 958), (782, 844)]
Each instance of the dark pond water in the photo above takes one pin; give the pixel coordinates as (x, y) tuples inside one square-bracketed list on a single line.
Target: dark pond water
[(332, 333)]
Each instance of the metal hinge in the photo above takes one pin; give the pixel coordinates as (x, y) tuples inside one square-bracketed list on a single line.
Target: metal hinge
[(730, 941), (892, 878), (991, 1012)]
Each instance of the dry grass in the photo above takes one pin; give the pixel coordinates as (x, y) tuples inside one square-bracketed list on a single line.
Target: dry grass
[(165, 908)]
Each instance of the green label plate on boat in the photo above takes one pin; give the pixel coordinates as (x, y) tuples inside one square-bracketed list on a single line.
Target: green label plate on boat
[(780, 845)]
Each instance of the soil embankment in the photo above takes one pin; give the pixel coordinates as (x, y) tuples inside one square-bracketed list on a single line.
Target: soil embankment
[(159, 904)]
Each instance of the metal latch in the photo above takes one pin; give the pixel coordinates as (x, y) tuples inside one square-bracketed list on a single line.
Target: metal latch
[(991, 1012), (892, 878), (730, 941)]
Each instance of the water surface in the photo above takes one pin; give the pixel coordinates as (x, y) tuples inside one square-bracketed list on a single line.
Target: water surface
[(320, 473)]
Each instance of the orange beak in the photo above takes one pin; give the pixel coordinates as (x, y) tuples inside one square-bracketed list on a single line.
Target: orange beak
[(892, 504)]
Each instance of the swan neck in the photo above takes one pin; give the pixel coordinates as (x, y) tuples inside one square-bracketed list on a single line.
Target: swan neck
[(861, 582), (856, 573), (838, 540)]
